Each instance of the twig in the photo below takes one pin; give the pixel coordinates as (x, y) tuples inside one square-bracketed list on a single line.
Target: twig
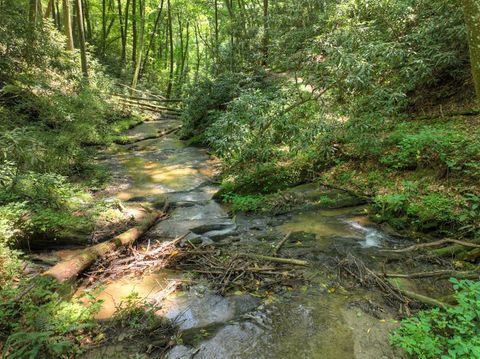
[(281, 243)]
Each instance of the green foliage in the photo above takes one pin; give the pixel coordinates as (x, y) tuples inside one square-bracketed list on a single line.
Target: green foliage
[(445, 333), (444, 145), (209, 96), (37, 322), (135, 313), (247, 203)]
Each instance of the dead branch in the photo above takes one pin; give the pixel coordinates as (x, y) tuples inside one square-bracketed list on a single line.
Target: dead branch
[(281, 243), (432, 244)]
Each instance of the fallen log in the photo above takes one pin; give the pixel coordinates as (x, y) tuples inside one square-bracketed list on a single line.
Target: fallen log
[(440, 274), (297, 262), (152, 137), (71, 268), (416, 296), (433, 244)]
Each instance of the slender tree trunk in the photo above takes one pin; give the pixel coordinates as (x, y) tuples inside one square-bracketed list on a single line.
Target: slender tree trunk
[(170, 31), (59, 22), (49, 9), (104, 26), (124, 55), (139, 60), (197, 46), (266, 35), (134, 33), (216, 33), (67, 24), (81, 33), (152, 37), (87, 22), (35, 12), (472, 19), (122, 32)]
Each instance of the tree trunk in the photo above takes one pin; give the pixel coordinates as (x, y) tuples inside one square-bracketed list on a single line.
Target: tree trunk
[(139, 60), (216, 35), (472, 19), (125, 34), (87, 22), (81, 33), (170, 31), (70, 269), (57, 10), (104, 26), (49, 9), (122, 32), (266, 35), (134, 33), (152, 37), (67, 24), (35, 12)]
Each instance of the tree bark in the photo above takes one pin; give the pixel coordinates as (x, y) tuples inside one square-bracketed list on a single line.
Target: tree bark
[(67, 24), (81, 33), (134, 33), (170, 30), (472, 19), (49, 9), (266, 35), (152, 37), (139, 60), (122, 32), (72, 268)]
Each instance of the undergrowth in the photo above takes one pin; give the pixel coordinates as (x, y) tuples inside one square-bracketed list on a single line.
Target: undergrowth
[(445, 333)]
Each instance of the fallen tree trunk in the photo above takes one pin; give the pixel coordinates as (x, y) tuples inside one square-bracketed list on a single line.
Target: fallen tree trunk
[(71, 268), (441, 274), (297, 262), (416, 296), (433, 244)]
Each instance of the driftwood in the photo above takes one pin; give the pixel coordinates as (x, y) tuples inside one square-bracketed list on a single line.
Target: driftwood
[(432, 244), (296, 262), (281, 243), (356, 268), (423, 299), (441, 274), (71, 268)]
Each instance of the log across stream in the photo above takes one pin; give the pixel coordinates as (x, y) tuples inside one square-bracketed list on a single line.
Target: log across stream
[(314, 318)]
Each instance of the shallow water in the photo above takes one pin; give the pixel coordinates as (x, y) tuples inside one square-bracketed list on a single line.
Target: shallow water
[(309, 323)]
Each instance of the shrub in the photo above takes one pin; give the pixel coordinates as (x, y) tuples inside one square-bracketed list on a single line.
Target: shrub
[(445, 333), (247, 203), (43, 324)]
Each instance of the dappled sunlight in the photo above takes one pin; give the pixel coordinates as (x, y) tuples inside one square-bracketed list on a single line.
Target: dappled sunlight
[(152, 287)]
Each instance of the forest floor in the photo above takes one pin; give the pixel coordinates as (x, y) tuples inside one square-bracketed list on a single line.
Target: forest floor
[(302, 283)]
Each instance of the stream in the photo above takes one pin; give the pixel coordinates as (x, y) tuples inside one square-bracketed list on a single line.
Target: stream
[(315, 321)]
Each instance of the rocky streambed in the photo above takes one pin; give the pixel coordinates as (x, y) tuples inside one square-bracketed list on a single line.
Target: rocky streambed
[(315, 319)]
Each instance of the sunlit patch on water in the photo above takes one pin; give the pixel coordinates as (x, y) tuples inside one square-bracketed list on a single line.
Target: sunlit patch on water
[(337, 224)]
